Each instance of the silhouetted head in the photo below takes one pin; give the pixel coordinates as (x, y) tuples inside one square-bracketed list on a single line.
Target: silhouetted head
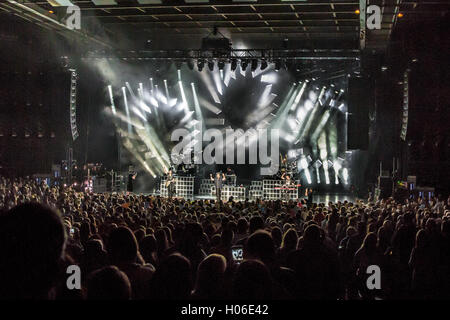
[(252, 281), (370, 242), (256, 223), (172, 279), (312, 236), (276, 236), (147, 247), (421, 239), (108, 283), (32, 242), (210, 276), (242, 226), (290, 239), (122, 245), (260, 246)]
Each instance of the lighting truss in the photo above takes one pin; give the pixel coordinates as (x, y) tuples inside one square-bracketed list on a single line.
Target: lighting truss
[(270, 55)]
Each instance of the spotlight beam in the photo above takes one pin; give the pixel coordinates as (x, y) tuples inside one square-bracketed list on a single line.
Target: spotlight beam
[(127, 110), (111, 98)]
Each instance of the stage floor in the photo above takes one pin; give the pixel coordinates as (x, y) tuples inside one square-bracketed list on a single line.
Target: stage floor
[(317, 198)]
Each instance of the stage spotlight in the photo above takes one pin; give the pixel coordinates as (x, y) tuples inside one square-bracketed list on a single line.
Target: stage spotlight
[(345, 175), (190, 64), (211, 65), (200, 65), (233, 64), (254, 64), (221, 64), (263, 64), (178, 64), (277, 65), (244, 64)]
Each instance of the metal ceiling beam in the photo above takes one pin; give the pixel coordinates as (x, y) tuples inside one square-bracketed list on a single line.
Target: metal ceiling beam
[(213, 3), (35, 14), (222, 13)]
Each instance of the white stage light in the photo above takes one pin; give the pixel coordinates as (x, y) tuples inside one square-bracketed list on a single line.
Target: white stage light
[(113, 107), (345, 175)]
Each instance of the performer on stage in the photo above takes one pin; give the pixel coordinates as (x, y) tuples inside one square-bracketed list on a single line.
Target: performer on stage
[(218, 181), (230, 174), (283, 168), (287, 185), (131, 176), (309, 195), (170, 184)]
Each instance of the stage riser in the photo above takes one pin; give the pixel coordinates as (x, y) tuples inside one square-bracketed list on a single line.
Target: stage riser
[(184, 187)]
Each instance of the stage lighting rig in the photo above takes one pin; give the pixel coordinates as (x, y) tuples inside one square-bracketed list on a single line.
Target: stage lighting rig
[(244, 64), (277, 65), (233, 64), (254, 64), (190, 64), (221, 46), (211, 65), (263, 64), (221, 64), (200, 64)]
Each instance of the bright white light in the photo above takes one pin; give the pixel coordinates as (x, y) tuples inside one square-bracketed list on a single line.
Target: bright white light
[(309, 105), (161, 97), (183, 96), (207, 80), (292, 123), (208, 105), (113, 107), (299, 95), (127, 110), (269, 78), (186, 117), (337, 165), (218, 82), (345, 175), (228, 74), (173, 102), (301, 114), (266, 97), (153, 101), (318, 175), (327, 174), (167, 90), (303, 163), (145, 107), (308, 176), (138, 113), (288, 137), (312, 95)]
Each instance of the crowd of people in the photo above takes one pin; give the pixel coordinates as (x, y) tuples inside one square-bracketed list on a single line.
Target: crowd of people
[(131, 246)]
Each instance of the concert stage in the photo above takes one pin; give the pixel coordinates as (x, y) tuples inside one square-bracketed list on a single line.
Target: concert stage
[(317, 198)]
